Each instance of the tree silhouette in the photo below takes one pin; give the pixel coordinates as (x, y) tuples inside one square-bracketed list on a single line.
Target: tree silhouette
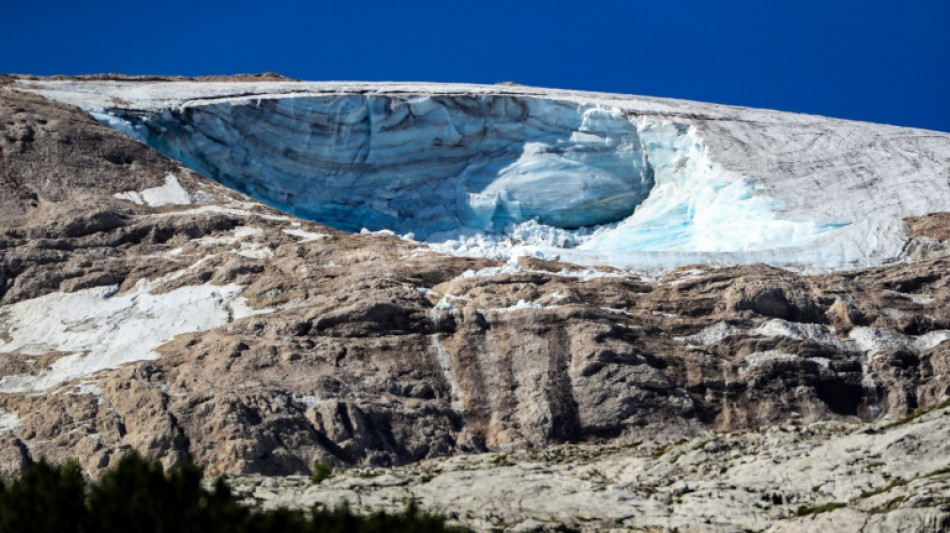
[(137, 496)]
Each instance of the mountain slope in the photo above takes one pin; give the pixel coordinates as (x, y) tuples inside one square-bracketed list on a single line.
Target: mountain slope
[(143, 305)]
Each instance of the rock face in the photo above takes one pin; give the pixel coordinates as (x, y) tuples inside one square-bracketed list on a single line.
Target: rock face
[(144, 306)]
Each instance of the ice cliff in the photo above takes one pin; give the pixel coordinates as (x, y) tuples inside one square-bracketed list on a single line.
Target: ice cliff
[(590, 178)]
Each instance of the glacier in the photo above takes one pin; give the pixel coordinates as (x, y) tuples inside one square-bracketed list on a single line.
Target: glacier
[(422, 165), (589, 178)]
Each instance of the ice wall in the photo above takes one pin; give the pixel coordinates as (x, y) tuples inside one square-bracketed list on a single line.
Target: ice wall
[(420, 165)]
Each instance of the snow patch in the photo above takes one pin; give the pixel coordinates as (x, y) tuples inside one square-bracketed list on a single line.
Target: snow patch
[(170, 193), (239, 309), (685, 276), (800, 331), (9, 421), (100, 328), (514, 268), (237, 235), (876, 340), (305, 236), (243, 232), (445, 303), (90, 387), (254, 251), (919, 299)]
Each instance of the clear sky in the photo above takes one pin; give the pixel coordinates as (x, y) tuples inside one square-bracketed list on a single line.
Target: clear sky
[(860, 59)]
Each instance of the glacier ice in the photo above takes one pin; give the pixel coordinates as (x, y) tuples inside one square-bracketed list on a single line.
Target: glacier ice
[(583, 177), (449, 168), (420, 165)]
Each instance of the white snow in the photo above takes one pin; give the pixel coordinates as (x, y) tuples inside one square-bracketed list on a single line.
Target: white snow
[(498, 171), (240, 309), (305, 236), (870, 341), (170, 193), (90, 387), (100, 328), (795, 330), (254, 251), (251, 250), (685, 276), (919, 299), (874, 340), (9, 421), (367, 231)]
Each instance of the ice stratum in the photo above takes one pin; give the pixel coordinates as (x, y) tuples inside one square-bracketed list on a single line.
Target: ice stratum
[(502, 171)]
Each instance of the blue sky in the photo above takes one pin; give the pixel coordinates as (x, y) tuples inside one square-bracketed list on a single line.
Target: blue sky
[(867, 60)]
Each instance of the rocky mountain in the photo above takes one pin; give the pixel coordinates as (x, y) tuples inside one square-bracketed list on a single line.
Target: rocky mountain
[(773, 271)]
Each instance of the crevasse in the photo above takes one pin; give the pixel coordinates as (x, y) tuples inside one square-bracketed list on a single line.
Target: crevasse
[(468, 172)]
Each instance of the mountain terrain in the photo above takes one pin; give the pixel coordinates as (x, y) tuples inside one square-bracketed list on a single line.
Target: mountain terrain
[(636, 313)]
